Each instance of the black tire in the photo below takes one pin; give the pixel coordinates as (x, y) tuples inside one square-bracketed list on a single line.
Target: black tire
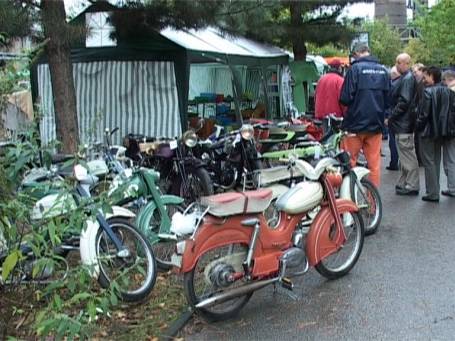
[(127, 233), (198, 184), (192, 297), (163, 249), (333, 273), (374, 206)]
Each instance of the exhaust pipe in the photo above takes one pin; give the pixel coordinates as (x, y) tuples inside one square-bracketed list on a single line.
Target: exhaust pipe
[(225, 296)]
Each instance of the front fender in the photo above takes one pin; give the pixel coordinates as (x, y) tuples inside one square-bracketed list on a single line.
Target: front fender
[(87, 247), (118, 211), (146, 214), (318, 242), (345, 190)]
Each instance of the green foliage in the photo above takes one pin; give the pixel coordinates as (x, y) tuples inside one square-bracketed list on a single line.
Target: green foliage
[(15, 21), (68, 305), (263, 20), (328, 50), (385, 41), (436, 44)]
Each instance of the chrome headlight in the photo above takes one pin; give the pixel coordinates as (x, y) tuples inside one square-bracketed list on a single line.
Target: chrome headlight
[(189, 138), (247, 131)]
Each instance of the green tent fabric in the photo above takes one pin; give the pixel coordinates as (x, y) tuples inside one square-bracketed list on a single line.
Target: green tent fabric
[(180, 48), (304, 74)]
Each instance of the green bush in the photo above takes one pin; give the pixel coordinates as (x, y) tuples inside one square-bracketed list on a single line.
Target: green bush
[(71, 303)]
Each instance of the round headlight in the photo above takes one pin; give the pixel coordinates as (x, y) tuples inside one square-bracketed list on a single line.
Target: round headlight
[(247, 131), (189, 138)]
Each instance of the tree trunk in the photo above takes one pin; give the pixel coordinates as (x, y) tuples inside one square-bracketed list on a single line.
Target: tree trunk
[(58, 51), (298, 44)]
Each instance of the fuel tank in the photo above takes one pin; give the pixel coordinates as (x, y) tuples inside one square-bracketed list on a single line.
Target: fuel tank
[(300, 198)]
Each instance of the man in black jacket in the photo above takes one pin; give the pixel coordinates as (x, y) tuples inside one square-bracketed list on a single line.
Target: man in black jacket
[(365, 93), (402, 123), (436, 122)]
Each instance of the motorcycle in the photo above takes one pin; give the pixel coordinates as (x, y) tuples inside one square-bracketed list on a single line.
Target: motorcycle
[(109, 246), (234, 251), (231, 158), (355, 186), (182, 173)]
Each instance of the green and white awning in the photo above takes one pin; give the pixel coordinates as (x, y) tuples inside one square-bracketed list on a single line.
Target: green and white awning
[(136, 96)]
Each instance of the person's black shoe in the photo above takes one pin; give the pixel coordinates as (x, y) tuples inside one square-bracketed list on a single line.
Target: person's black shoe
[(399, 187), (391, 168), (430, 199), (448, 193), (405, 191)]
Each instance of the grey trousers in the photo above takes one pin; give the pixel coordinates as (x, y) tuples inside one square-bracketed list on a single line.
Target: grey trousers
[(431, 159), (409, 167)]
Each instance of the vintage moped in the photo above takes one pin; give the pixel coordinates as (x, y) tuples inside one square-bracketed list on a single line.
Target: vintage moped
[(235, 251)]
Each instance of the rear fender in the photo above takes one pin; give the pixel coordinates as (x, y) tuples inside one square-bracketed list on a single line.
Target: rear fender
[(318, 244), (194, 249)]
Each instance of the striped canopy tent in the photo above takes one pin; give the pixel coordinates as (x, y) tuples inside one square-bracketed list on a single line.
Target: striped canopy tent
[(142, 86)]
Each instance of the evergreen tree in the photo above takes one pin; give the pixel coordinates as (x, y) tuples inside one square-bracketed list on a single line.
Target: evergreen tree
[(289, 24)]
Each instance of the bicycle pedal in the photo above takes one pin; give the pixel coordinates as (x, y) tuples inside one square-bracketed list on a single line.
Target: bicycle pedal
[(287, 283)]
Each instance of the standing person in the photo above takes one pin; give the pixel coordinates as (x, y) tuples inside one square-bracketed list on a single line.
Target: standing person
[(402, 123), (327, 93), (448, 78), (417, 71), (393, 165), (436, 122), (365, 93)]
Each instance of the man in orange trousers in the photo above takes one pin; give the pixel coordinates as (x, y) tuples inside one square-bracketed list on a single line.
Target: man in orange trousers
[(365, 93)]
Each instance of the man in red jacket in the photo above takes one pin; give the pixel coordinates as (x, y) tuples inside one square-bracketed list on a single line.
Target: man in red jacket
[(327, 94)]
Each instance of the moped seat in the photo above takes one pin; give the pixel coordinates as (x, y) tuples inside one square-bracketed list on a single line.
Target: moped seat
[(226, 204)]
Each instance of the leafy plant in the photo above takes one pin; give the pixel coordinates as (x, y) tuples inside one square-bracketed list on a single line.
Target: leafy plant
[(385, 43), (63, 301), (436, 43)]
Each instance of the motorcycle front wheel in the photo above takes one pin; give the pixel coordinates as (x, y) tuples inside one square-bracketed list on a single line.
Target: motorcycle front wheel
[(370, 205), (196, 185), (341, 262), (208, 278), (163, 248), (134, 274)]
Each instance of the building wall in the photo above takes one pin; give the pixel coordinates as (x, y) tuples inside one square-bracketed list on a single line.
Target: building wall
[(395, 10)]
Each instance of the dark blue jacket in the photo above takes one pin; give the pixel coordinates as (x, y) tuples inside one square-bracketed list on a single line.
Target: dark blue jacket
[(366, 94)]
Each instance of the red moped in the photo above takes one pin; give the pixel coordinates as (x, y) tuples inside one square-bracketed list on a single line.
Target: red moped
[(235, 251)]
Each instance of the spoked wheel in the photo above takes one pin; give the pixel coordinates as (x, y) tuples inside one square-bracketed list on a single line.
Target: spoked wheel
[(210, 276), (163, 248), (370, 205), (134, 274), (197, 184), (341, 262)]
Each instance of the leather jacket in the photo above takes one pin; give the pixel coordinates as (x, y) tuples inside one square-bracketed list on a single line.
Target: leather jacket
[(436, 118), (403, 116)]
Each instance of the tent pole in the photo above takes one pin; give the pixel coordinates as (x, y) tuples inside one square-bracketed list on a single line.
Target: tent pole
[(266, 93), (235, 87)]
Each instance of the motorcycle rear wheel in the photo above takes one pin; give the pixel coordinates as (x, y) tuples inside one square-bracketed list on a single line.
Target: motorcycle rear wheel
[(198, 284), (134, 275), (331, 267)]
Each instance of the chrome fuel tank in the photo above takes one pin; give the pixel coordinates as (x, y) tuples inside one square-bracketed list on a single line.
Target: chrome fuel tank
[(300, 198)]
